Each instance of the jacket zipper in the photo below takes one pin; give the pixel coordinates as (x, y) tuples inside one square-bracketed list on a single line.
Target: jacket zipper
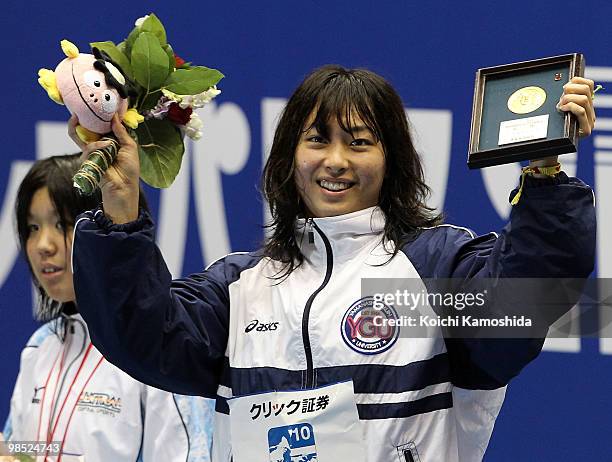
[(305, 317)]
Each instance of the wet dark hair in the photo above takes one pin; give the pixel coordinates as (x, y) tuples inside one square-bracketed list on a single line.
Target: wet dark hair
[(335, 92), (54, 173)]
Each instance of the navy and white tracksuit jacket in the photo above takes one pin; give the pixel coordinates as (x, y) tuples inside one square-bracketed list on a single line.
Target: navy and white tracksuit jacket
[(195, 335)]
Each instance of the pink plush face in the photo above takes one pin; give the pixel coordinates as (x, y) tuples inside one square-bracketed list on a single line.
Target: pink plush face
[(86, 94)]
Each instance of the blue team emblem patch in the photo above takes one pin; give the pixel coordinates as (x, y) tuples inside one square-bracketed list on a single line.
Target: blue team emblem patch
[(292, 443), (364, 328)]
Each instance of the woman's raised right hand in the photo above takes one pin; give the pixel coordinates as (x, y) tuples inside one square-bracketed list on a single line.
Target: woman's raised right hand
[(120, 184)]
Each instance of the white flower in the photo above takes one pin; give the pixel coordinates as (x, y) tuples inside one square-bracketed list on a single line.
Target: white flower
[(205, 97), (212, 92), (139, 21), (193, 129), (193, 101), (172, 96), (186, 101)]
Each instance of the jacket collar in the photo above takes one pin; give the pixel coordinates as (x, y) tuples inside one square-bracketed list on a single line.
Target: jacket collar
[(347, 234), (76, 325)]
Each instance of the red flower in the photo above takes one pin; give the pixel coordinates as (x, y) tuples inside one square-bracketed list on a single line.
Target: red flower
[(179, 115), (178, 62)]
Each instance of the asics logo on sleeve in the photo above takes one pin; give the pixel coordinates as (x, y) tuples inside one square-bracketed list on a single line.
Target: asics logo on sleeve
[(260, 326)]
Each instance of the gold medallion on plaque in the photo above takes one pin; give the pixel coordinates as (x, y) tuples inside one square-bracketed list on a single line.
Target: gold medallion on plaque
[(526, 100)]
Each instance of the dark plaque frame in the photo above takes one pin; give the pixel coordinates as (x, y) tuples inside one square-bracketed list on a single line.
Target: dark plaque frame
[(493, 87)]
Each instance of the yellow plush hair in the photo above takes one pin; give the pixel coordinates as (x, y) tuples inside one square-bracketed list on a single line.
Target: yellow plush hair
[(69, 48), (46, 79)]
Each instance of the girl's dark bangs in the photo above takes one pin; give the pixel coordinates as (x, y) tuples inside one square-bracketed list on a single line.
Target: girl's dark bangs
[(345, 99)]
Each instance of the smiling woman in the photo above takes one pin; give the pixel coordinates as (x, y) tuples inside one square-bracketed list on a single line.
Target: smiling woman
[(343, 144), (347, 194), (341, 171)]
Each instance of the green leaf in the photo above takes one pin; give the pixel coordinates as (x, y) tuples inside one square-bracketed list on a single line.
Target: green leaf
[(116, 55), (192, 81), (153, 24), (149, 62), (131, 38), (168, 49), (149, 102), (160, 148), (122, 47)]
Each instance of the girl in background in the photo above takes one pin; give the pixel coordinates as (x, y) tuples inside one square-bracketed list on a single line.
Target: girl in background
[(66, 392)]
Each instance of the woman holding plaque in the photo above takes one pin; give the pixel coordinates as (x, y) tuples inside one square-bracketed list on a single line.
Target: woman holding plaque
[(69, 403), (283, 338)]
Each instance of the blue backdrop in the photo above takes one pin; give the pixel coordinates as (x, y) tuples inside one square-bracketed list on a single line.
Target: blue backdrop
[(559, 408)]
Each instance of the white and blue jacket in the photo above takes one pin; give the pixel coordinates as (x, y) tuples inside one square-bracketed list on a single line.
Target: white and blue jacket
[(67, 391), (233, 329)]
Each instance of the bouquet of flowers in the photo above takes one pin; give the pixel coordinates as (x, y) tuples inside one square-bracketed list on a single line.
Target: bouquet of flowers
[(148, 85)]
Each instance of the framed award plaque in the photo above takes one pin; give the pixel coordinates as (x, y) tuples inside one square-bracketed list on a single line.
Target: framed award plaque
[(515, 116)]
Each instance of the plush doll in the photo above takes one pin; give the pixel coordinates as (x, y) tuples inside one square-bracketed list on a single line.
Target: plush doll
[(92, 87), (95, 89), (154, 92)]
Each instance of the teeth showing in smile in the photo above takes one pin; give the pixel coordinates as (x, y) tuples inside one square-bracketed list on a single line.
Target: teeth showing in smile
[(50, 270), (334, 186)]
